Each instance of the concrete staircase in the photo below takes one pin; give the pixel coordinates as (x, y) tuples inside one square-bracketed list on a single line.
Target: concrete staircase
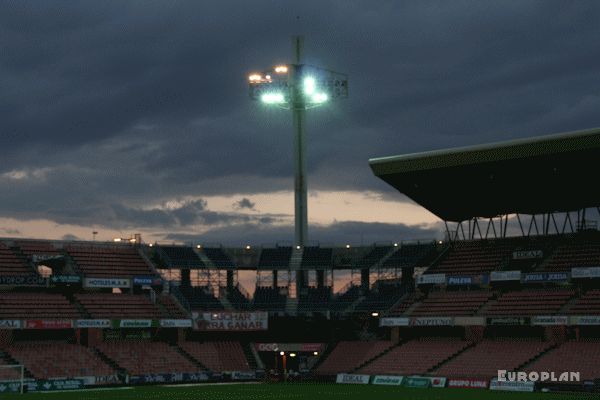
[(296, 259)]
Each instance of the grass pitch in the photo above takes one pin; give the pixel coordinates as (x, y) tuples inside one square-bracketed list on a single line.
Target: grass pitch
[(294, 392)]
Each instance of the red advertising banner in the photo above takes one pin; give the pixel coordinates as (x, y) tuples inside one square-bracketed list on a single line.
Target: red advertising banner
[(48, 324), (468, 383)]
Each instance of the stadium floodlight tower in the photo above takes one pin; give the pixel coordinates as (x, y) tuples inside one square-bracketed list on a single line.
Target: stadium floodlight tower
[(298, 87)]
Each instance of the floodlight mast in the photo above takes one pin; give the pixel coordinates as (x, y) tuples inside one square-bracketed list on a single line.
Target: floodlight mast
[(298, 87)]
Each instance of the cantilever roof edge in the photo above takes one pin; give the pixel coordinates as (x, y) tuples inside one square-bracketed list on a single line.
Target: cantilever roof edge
[(507, 150)]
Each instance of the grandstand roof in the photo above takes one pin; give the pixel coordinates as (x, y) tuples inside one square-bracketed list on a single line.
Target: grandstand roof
[(528, 176)]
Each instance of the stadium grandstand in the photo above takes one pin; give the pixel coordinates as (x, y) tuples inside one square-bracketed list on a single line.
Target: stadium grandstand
[(514, 285)]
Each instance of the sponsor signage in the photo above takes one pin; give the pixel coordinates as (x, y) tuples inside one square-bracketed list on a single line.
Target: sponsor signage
[(416, 382), (585, 320), (512, 386), (175, 323), (146, 281), (535, 277), (459, 280), (232, 321), (508, 321), (93, 323), (468, 383), (387, 380), (38, 258), (299, 347), (48, 324), (135, 323), (107, 283), (469, 321), (26, 280), (99, 380), (433, 321), (437, 382), (550, 320), (583, 272), (169, 378), (527, 254), (55, 384), (425, 279), (10, 387), (243, 375), (394, 321), (65, 279), (353, 378), (505, 276), (10, 324)]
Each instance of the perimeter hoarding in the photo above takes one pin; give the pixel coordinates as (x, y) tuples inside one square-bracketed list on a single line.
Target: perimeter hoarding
[(231, 321), (353, 378)]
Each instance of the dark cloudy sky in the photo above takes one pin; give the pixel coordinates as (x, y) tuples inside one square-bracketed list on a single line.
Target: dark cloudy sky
[(125, 116)]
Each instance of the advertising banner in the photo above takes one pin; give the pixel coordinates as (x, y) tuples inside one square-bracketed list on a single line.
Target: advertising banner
[(505, 276), (527, 254), (456, 280), (468, 383), (416, 382), (394, 321), (93, 323), (387, 380), (433, 321), (585, 272), (10, 324), (547, 320), (508, 321), (48, 324), (585, 320), (436, 279), (437, 382), (175, 323), (146, 281), (99, 380), (10, 387), (232, 321), (299, 347), (65, 279), (169, 378), (352, 378), (469, 321), (512, 386), (243, 375), (107, 283), (26, 280), (55, 384), (541, 277), (135, 323)]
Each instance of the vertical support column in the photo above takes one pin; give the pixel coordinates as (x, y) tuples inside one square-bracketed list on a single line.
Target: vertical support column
[(229, 279), (275, 278), (364, 279), (320, 278), (185, 278)]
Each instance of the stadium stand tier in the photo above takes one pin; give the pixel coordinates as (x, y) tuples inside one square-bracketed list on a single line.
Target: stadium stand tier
[(454, 303), (348, 355), (179, 256), (572, 356), (530, 302), (109, 305), (218, 257), (36, 305), (109, 262), (316, 257), (278, 257), (223, 356), (11, 264)]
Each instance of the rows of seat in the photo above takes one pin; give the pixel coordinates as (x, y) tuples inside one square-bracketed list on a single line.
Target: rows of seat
[(316, 257), (218, 257), (488, 356), (572, 356), (36, 305), (530, 302), (473, 257), (122, 262), (31, 247), (277, 257), (109, 305), (574, 255), (269, 298), (349, 355), (315, 299), (59, 360), (587, 304), (180, 256), (455, 303), (11, 264), (414, 357), (220, 356)]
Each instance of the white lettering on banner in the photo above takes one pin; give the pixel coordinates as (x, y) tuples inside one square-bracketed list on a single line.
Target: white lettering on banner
[(424, 279), (468, 383), (505, 275), (550, 320), (93, 323), (582, 272), (353, 378), (135, 323), (176, 323), (387, 380), (585, 320), (394, 321), (10, 324)]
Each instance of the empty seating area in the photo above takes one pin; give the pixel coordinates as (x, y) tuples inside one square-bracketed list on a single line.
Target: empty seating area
[(179, 257), (59, 360), (474, 257), (414, 357), (11, 264), (109, 262), (317, 257), (31, 247), (587, 304), (315, 299), (140, 358), (8, 374), (343, 300), (373, 256), (530, 302), (200, 298), (408, 255), (488, 356), (382, 297), (455, 303), (581, 356), (347, 356), (15, 305), (218, 356), (109, 305), (218, 257), (238, 299), (174, 309), (269, 298), (278, 257), (572, 255)]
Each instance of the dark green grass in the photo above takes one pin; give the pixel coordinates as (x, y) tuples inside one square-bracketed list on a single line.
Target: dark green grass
[(296, 392)]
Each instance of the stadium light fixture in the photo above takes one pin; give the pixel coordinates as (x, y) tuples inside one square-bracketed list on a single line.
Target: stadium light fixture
[(282, 353), (347, 246), (374, 314), (116, 239), (315, 353), (298, 87), (198, 246), (292, 355), (248, 247), (395, 244)]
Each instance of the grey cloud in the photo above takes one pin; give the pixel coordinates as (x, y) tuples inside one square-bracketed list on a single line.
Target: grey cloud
[(244, 203)]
